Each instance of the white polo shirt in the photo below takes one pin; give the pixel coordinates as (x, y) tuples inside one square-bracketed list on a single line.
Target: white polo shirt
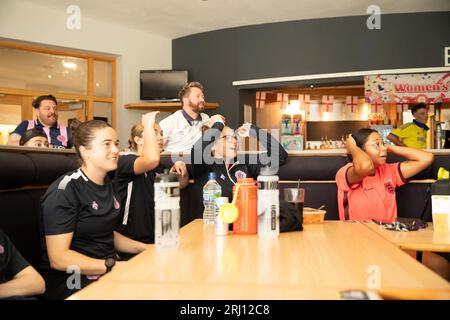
[(179, 135)]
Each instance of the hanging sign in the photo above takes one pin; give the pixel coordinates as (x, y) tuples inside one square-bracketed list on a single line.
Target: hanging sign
[(408, 88)]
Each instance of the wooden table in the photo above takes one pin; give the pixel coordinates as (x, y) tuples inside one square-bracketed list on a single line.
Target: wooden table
[(420, 240), (314, 264)]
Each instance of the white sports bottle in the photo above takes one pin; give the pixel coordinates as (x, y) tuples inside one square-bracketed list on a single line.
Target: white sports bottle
[(268, 205), (167, 211)]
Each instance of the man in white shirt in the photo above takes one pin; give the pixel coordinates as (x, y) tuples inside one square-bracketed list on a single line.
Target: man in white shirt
[(183, 128)]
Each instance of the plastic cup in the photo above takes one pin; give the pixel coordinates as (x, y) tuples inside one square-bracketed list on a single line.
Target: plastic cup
[(295, 196)]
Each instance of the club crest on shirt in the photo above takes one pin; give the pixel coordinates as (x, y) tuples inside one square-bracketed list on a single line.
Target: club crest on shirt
[(2, 249), (389, 187), (116, 203), (240, 174), (94, 205), (222, 176)]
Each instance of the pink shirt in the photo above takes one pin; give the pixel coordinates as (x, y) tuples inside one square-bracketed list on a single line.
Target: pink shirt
[(373, 197)]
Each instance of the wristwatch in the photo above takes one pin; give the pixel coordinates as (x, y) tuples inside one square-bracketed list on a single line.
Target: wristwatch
[(109, 264)]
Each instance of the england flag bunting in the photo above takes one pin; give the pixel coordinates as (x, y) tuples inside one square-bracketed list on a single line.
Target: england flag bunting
[(303, 99), (352, 103), (283, 98), (260, 99), (327, 102), (376, 107), (402, 107)]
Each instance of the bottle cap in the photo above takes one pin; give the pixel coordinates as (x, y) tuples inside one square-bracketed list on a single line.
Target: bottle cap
[(268, 171), (211, 175)]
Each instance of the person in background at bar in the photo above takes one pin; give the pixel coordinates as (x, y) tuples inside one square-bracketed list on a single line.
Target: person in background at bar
[(34, 138), (18, 278), (80, 213), (366, 186), (216, 151), (135, 177), (413, 134), (58, 135)]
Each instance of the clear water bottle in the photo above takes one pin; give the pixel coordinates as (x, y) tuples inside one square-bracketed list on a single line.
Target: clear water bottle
[(268, 204), (167, 211), (211, 191)]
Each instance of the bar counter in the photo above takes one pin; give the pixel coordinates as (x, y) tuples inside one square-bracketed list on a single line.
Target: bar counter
[(343, 152)]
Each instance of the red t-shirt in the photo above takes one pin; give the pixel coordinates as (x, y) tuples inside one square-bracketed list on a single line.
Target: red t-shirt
[(373, 197)]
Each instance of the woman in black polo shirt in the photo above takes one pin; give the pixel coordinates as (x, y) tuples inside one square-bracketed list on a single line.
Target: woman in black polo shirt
[(17, 278), (135, 177), (80, 212), (216, 151)]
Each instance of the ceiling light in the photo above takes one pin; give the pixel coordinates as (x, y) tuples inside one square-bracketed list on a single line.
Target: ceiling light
[(69, 65), (97, 84), (49, 76)]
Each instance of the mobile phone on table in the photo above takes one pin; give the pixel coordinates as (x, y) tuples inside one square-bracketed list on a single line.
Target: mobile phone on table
[(359, 295)]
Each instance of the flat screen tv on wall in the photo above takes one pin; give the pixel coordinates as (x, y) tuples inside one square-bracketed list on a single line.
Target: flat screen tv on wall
[(162, 85)]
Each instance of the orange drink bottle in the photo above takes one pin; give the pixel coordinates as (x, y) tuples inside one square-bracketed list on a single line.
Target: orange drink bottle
[(247, 204)]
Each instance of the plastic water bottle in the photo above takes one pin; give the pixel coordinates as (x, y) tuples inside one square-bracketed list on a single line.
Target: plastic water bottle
[(167, 211), (211, 191), (268, 205)]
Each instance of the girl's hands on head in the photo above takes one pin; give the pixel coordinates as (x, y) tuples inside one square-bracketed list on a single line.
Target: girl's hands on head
[(350, 143)]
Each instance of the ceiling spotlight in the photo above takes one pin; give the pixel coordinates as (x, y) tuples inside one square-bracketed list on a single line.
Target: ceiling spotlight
[(97, 84), (49, 76), (311, 86), (69, 65)]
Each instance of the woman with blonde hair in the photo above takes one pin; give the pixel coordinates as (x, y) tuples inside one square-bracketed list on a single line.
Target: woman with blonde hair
[(135, 177)]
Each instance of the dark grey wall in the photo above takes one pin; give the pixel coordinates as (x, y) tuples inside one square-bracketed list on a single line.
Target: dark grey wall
[(342, 44)]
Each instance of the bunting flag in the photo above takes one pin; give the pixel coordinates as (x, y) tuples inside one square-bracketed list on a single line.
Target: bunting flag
[(352, 102), (327, 102), (405, 107), (283, 98), (376, 107), (304, 99), (260, 99)]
